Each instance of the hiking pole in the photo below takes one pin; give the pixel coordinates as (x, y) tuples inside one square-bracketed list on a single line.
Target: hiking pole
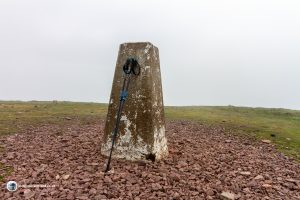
[(131, 66)]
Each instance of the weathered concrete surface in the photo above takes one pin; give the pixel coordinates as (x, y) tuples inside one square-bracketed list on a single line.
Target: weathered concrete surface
[(142, 128)]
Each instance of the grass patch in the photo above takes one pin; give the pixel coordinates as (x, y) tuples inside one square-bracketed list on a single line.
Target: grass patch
[(5, 171), (16, 115)]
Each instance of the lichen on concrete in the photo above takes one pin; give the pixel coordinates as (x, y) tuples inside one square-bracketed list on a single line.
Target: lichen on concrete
[(142, 125)]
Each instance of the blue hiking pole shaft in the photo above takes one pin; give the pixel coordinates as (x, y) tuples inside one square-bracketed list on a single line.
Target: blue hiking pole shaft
[(121, 104), (115, 134)]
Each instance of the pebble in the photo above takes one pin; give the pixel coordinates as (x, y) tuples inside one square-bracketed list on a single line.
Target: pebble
[(100, 197), (107, 179), (259, 177), (209, 192), (227, 196), (29, 194), (246, 173), (182, 164), (66, 176), (176, 195), (70, 196), (291, 180), (10, 155), (267, 185), (266, 141), (93, 191)]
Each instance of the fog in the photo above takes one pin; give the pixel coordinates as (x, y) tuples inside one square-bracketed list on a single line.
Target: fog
[(242, 53)]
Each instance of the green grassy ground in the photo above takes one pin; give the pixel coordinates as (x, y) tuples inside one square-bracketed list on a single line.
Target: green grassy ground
[(260, 122), (15, 115)]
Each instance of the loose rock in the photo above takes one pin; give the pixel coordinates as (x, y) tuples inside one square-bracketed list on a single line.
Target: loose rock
[(227, 196), (259, 177), (266, 141), (245, 173), (66, 176)]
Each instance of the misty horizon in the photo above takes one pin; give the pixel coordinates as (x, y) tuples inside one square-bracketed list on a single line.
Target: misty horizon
[(211, 53)]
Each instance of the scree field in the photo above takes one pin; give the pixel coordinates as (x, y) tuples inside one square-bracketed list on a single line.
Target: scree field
[(266, 136)]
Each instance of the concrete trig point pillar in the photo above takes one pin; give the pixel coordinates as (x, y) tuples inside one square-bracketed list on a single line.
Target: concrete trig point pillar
[(141, 134)]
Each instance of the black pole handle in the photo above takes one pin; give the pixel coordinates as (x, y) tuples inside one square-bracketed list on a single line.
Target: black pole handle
[(131, 66)]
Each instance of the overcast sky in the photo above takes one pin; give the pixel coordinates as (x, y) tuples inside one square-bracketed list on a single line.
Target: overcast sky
[(243, 53)]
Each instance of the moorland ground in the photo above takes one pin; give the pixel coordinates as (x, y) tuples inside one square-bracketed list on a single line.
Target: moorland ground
[(281, 126), (211, 149)]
